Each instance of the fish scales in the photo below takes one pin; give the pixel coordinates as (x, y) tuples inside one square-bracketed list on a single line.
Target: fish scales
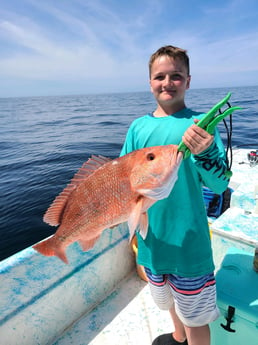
[(105, 193)]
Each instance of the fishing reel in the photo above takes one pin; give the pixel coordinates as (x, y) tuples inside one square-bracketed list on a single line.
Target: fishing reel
[(252, 157)]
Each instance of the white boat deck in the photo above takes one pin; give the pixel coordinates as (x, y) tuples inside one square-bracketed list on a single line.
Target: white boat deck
[(127, 316)]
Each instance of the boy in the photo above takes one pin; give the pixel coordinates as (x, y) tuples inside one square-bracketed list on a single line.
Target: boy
[(177, 253)]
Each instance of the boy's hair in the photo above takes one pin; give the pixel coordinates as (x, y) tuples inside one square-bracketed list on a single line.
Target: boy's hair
[(173, 52)]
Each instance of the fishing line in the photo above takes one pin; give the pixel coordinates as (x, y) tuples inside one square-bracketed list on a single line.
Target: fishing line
[(229, 129)]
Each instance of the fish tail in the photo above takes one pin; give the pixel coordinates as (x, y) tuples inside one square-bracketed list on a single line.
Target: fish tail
[(48, 248)]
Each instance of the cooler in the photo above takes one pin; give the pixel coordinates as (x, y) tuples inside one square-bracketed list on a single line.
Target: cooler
[(237, 295)]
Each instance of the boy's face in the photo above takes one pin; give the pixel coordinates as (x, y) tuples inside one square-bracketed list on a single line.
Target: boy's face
[(169, 80)]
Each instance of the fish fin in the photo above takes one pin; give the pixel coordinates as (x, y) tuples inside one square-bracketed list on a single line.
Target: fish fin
[(47, 248), (114, 226), (134, 217), (88, 244), (144, 220), (54, 213), (91, 165), (144, 224)]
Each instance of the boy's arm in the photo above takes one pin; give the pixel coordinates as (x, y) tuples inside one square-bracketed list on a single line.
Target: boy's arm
[(211, 165)]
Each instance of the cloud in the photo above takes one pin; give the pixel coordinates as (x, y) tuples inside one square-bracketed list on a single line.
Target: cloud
[(96, 43), (88, 47), (235, 55)]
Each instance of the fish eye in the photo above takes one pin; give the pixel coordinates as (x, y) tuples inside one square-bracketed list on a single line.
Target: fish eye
[(150, 156)]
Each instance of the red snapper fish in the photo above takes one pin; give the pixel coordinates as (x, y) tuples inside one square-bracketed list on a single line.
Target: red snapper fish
[(105, 193)]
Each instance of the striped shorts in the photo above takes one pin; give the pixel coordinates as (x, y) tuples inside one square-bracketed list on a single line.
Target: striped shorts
[(194, 298)]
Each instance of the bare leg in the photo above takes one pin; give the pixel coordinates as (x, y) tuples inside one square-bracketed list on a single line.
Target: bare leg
[(198, 335), (195, 335), (179, 334)]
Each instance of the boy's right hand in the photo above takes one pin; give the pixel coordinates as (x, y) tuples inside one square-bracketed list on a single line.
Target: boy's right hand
[(197, 139)]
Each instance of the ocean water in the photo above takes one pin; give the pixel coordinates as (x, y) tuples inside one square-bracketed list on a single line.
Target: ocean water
[(44, 140)]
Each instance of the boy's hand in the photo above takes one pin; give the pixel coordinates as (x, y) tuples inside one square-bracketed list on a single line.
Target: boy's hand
[(197, 139)]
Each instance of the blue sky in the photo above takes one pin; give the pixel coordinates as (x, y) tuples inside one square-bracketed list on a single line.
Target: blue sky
[(56, 47)]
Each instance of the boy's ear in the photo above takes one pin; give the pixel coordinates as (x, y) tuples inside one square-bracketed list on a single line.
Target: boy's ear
[(188, 82)]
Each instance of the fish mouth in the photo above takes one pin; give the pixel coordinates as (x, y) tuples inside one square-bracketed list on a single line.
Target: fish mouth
[(174, 161)]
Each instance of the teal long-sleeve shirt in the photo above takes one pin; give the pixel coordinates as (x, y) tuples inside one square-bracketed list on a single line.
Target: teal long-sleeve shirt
[(178, 239)]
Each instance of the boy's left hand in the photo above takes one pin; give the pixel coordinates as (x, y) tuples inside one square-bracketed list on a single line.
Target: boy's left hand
[(197, 139)]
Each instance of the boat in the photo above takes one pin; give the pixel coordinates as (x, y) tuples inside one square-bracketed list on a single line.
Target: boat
[(101, 297)]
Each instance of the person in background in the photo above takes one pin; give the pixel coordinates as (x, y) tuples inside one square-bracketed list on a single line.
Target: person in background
[(177, 253)]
